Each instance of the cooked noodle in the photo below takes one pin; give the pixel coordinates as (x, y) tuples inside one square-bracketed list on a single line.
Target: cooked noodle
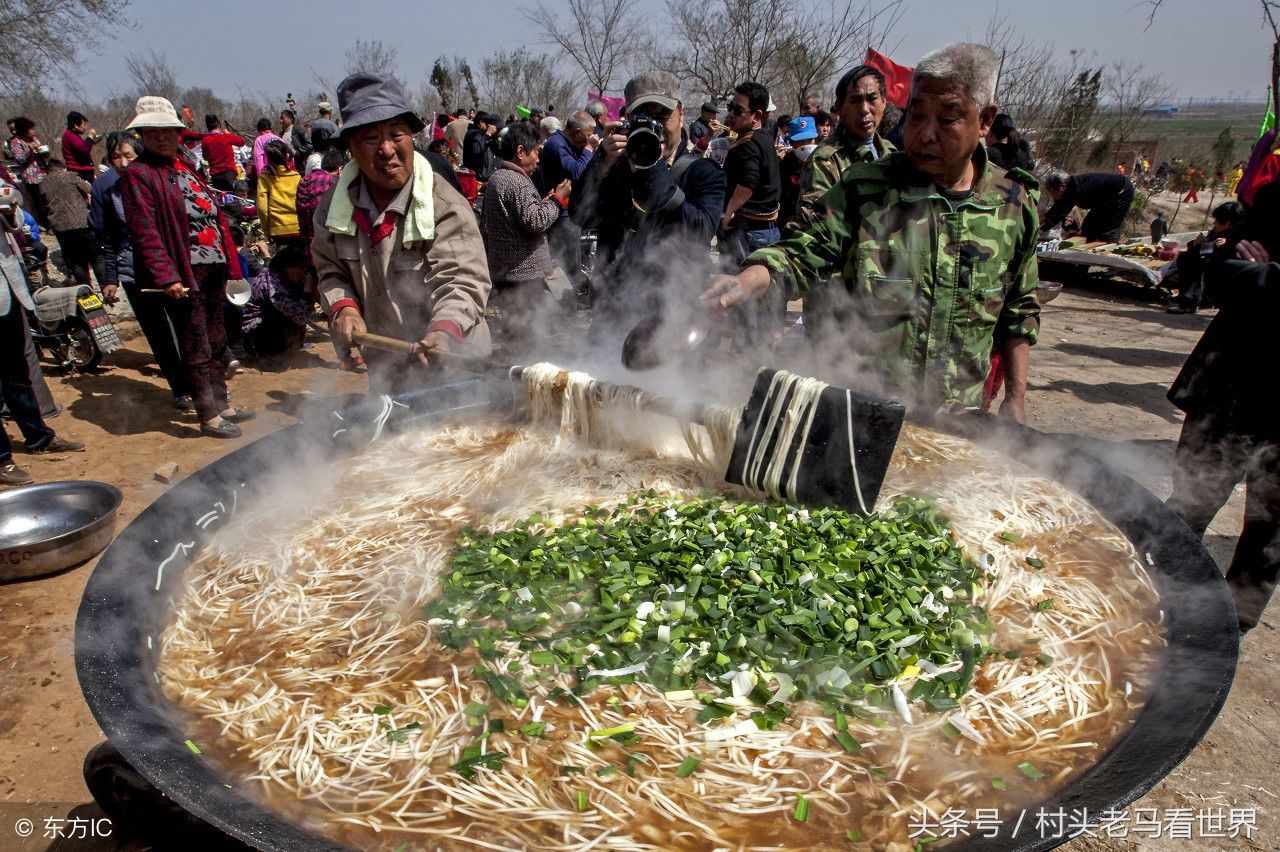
[(288, 635)]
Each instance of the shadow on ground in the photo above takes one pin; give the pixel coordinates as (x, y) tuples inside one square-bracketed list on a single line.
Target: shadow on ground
[(1124, 355), (1148, 396), (121, 405)]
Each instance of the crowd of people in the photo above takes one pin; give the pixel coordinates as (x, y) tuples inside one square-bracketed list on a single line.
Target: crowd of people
[(909, 235)]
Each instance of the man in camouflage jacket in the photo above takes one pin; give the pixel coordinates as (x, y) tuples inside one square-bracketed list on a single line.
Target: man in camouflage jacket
[(860, 102), (935, 248)]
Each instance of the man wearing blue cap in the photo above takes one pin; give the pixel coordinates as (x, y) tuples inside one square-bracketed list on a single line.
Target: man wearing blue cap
[(397, 251), (803, 133)]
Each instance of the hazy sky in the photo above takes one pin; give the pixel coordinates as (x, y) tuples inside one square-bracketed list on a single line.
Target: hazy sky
[(1201, 49)]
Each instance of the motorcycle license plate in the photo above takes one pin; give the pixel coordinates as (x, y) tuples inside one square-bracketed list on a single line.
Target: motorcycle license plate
[(90, 302)]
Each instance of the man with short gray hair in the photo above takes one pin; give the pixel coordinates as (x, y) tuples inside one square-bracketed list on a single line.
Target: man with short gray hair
[(934, 248), (565, 155)]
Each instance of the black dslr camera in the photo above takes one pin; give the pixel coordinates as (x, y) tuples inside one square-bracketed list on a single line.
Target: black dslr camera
[(644, 139)]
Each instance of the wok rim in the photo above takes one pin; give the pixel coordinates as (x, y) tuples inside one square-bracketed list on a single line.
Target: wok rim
[(149, 736)]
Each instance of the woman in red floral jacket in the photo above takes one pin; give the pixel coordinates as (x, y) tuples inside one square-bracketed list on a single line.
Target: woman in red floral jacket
[(181, 244)]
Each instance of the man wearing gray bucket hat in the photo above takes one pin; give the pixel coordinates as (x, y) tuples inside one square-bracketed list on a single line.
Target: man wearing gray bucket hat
[(397, 252)]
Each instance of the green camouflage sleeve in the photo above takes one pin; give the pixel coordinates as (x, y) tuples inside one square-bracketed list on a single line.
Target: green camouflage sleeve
[(816, 179), (1020, 316), (810, 255)]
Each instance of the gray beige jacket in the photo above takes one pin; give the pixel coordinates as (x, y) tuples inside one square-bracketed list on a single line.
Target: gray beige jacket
[(12, 277), (429, 274)]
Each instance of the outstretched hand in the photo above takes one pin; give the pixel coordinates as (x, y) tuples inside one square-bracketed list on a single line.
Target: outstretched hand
[(728, 291), (1252, 251)]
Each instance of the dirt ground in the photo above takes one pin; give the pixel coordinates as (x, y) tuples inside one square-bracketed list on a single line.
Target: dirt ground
[(1104, 362)]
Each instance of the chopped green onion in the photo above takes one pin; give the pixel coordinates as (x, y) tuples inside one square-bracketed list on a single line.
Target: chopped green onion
[(853, 835), (471, 759), (802, 809), (381, 710), (1044, 659), (675, 592), (472, 710), (569, 769), (606, 771), (686, 767), (195, 749), (533, 729), (632, 760), (1035, 563), (582, 800), (714, 710), (998, 784), (1009, 537), (846, 740), (1044, 605), (612, 732), (1029, 770)]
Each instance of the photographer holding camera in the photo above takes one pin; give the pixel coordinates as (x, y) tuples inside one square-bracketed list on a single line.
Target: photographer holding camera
[(654, 202)]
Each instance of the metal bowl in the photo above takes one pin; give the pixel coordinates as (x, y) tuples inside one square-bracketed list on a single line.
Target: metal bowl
[(48, 527), (1047, 291)]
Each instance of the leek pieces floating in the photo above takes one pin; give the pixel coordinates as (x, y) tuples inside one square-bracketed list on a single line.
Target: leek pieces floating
[(1028, 769), (772, 603)]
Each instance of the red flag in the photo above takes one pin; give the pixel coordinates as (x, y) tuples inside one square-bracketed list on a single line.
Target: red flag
[(897, 78)]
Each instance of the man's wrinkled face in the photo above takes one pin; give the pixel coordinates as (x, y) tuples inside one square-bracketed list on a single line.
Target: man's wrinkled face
[(384, 153), (527, 159), (862, 108), (943, 128)]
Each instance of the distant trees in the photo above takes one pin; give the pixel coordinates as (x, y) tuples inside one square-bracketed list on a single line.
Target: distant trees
[(521, 77), (596, 35), (373, 56), (793, 47), (45, 39), (455, 83)]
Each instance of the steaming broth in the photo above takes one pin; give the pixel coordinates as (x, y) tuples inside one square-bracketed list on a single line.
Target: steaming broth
[(289, 635)]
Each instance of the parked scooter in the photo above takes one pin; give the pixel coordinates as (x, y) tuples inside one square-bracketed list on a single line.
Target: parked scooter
[(71, 326)]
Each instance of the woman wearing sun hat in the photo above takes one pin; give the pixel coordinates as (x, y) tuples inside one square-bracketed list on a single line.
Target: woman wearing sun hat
[(181, 244)]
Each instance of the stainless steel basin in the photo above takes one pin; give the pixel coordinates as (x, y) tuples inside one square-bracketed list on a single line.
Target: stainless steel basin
[(54, 525)]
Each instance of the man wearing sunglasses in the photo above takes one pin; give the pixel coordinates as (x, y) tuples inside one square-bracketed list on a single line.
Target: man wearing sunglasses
[(750, 219), (935, 251)]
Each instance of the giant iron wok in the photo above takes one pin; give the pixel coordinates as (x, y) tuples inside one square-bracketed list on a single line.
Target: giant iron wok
[(129, 599)]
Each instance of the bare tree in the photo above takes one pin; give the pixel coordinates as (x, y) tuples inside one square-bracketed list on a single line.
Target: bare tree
[(44, 38), (374, 56), (597, 35), (1064, 137), (1128, 94), (153, 74), (521, 77), (791, 46), (1028, 79)]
